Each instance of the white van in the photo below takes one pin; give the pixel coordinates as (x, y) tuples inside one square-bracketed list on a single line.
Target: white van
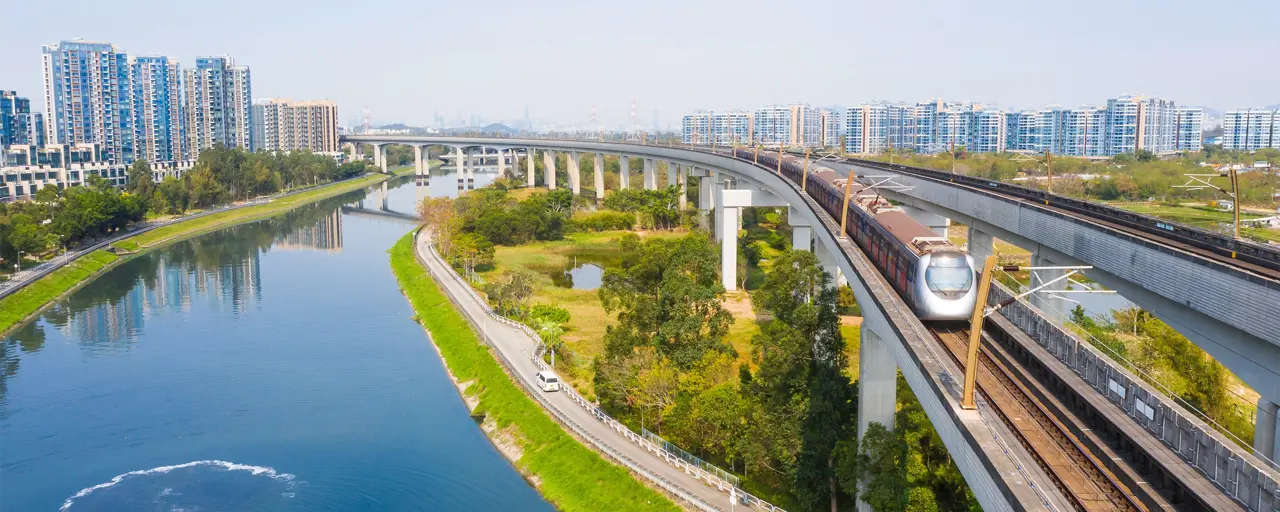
[(548, 381)]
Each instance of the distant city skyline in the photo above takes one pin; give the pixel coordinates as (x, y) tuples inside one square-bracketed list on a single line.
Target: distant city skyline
[(560, 59)]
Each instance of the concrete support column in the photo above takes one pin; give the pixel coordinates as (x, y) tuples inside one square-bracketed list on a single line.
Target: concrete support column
[(706, 186), (599, 176), (1264, 432), (624, 171), (417, 160), (717, 187), (801, 230), (1055, 309), (382, 158), (502, 163), (981, 245), (828, 258), (650, 174), (575, 173), (682, 201), (877, 385), (936, 223), (672, 169), (528, 157), (728, 246), (461, 162), (549, 169), (355, 152)]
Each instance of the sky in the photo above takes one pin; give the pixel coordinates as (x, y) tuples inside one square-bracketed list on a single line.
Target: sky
[(407, 60)]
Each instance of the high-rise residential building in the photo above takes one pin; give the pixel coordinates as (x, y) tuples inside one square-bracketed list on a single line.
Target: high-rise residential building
[(731, 128), (901, 121), (787, 125), (15, 119), (1190, 129), (157, 109), (951, 128), (87, 97), (695, 128), (218, 108), (1251, 129), (1029, 131), (926, 126), (833, 126), (296, 125), (1140, 123), (987, 131), (36, 133), (866, 129), (1078, 131)]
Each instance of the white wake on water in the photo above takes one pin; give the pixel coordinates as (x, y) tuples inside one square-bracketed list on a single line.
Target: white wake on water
[(229, 466)]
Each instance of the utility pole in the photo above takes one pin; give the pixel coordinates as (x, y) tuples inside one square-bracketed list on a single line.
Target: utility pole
[(779, 159), (1199, 181), (804, 176), (1048, 163), (844, 212), (975, 333)]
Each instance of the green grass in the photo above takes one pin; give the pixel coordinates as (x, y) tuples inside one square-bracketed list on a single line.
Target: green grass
[(570, 476), (191, 227), (1190, 215), (25, 302)]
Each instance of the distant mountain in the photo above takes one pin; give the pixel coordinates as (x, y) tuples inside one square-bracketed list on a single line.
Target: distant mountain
[(497, 128), (398, 126)]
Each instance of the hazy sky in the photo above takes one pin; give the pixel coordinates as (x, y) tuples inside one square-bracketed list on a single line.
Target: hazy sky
[(408, 59)]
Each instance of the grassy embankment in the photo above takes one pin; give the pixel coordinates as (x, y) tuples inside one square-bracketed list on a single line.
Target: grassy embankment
[(22, 304), (1202, 217), (193, 227), (567, 474)]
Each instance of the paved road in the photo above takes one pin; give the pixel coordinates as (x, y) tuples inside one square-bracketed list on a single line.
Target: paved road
[(515, 345)]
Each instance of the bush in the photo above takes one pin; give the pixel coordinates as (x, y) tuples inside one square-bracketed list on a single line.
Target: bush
[(603, 221), (549, 313)]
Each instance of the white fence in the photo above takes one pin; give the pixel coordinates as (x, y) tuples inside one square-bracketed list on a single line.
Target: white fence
[(707, 477)]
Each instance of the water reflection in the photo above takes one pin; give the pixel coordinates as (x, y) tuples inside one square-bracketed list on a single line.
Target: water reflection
[(221, 269), (444, 181)]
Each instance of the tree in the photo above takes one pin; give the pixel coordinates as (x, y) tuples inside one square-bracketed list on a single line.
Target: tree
[(472, 250), (667, 297), (141, 180), (832, 406), (510, 295)]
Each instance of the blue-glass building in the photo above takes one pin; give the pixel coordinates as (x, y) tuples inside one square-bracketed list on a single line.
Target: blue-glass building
[(218, 105), (15, 119), (157, 109), (87, 97)]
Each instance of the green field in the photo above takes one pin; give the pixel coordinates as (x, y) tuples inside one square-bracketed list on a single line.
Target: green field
[(1203, 217), (569, 475)]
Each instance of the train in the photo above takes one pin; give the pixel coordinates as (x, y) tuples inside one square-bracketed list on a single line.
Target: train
[(931, 274)]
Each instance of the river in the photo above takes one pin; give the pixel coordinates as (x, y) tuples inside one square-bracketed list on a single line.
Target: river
[(272, 366)]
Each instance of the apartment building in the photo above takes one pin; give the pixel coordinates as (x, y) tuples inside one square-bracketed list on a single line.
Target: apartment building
[(284, 125), (217, 105), (87, 97), (1251, 129), (156, 87)]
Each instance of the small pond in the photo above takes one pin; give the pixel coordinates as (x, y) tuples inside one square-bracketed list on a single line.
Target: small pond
[(579, 276)]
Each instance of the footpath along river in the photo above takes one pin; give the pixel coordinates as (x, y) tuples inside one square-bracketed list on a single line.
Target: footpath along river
[(272, 366)]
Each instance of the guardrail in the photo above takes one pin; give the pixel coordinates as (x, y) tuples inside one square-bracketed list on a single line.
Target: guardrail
[(1197, 443), (707, 477)]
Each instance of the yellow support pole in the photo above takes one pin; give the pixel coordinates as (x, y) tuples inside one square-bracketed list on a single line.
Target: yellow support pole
[(804, 176), (757, 155), (975, 334), (844, 212)]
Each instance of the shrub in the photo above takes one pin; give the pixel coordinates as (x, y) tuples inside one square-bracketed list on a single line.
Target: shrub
[(549, 313), (604, 221)]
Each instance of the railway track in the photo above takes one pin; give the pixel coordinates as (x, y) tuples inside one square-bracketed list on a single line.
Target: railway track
[(1076, 471)]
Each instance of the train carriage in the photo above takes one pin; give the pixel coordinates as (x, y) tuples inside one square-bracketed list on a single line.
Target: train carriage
[(930, 273)]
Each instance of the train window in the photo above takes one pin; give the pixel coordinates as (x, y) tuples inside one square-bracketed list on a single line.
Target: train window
[(948, 274)]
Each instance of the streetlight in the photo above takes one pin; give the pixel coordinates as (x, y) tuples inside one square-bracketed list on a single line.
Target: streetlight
[(18, 265)]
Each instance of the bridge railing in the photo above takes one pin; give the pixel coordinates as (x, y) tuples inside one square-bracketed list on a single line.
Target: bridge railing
[(1231, 468), (710, 478)]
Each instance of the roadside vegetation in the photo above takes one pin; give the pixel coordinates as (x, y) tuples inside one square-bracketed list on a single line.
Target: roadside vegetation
[(34, 296), (758, 381), (62, 219), (567, 473)]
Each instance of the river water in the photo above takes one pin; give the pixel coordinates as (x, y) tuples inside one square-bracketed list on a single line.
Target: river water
[(272, 366)]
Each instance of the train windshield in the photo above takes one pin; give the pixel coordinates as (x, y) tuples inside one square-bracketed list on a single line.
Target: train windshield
[(948, 274)]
